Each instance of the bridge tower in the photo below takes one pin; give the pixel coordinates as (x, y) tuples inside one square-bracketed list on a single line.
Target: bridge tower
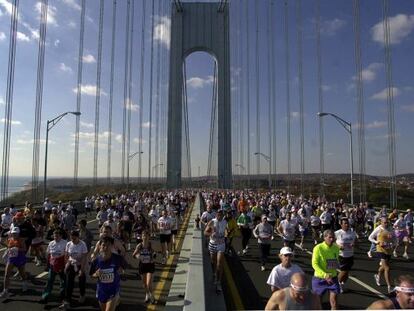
[(199, 27)]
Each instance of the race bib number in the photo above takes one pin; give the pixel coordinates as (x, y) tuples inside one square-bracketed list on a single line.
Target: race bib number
[(332, 264), (107, 276), (145, 258), (347, 246), (13, 252)]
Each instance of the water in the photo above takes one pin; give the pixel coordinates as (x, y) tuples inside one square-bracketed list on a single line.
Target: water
[(18, 183)]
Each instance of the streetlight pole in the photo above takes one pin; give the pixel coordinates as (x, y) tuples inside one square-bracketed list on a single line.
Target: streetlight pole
[(348, 127), (268, 159), (130, 157), (244, 170), (49, 125)]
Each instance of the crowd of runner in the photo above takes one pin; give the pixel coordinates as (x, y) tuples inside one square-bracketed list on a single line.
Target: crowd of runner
[(57, 237), (334, 229)]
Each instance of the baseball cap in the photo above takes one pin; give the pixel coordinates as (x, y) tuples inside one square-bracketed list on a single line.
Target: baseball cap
[(286, 251), (15, 230)]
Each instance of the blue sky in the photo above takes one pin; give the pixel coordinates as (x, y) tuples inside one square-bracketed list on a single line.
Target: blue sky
[(338, 67)]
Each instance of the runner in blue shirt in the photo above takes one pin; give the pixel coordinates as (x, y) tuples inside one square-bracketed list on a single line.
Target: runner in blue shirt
[(107, 268)]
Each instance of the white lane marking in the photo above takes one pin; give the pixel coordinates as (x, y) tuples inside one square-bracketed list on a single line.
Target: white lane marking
[(92, 221), (366, 286), (42, 275)]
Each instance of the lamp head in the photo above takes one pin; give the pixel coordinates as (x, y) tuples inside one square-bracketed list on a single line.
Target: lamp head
[(322, 114), (256, 153), (76, 113)]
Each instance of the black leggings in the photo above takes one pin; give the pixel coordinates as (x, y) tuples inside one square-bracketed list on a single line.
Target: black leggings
[(71, 274), (246, 235)]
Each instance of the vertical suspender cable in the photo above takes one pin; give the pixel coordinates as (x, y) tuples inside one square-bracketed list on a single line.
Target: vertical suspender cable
[(141, 88), (360, 101), (257, 69), (186, 124), (320, 99), (287, 95), (248, 92), (98, 94), (39, 100), (212, 122), (131, 63), (126, 99), (79, 93), (300, 85), (390, 105), (9, 101), (273, 88), (157, 102), (111, 93), (151, 91), (242, 77), (235, 98), (270, 83)]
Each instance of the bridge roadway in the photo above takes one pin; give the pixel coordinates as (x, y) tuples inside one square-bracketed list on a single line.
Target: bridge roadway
[(246, 283), (132, 293)]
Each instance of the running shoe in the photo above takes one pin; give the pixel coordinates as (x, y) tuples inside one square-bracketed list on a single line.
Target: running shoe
[(369, 254), (152, 299), (4, 294), (395, 254), (263, 268), (341, 288), (389, 288), (218, 287), (146, 298), (64, 305), (406, 256), (377, 279), (245, 251)]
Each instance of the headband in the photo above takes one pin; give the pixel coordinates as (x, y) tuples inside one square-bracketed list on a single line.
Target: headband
[(404, 289), (298, 288)]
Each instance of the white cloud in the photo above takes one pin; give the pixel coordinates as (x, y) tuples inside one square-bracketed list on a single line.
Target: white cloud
[(22, 37), (137, 140), (118, 138), (370, 72), (89, 59), (331, 27), (72, 4), (65, 68), (56, 43), (2, 36), (294, 114), (146, 125), (197, 83), (2, 101), (88, 89), (22, 141), (87, 125), (382, 95), (162, 31), (401, 27), (71, 24), (7, 6), (326, 88), (408, 108), (376, 125), (1, 13), (13, 122), (129, 105), (51, 13)]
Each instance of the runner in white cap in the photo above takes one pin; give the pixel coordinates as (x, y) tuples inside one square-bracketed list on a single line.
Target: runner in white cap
[(281, 274)]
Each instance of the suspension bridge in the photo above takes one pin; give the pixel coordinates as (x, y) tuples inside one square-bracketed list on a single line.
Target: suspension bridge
[(260, 77)]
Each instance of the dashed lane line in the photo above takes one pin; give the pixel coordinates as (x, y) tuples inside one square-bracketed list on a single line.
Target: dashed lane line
[(166, 273)]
